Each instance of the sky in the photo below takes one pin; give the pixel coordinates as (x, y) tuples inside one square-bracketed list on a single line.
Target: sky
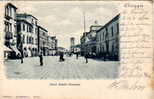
[(66, 19)]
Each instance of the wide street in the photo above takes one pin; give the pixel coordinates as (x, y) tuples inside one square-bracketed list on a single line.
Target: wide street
[(71, 68)]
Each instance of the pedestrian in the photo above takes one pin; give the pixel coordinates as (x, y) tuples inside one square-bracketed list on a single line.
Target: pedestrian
[(61, 57), (41, 58), (86, 57), (22, 56), (77, 55)]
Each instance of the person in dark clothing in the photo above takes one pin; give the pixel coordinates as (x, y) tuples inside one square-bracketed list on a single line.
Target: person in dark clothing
[(22, 56), (86, 57), (41, 59), (77, 55), (61, 58), (19, 55)]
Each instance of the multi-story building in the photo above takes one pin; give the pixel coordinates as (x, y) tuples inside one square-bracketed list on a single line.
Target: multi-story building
[(88, 40), (108, 40), (83, 41), (52, 45), (102, 41), (91, 39), (43, 41), (10, 31), (27, 34)]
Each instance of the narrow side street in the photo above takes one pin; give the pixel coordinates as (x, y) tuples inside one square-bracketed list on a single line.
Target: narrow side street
[(71, 68)]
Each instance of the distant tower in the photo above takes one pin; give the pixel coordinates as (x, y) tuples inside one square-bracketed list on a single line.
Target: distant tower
[(72, 40)]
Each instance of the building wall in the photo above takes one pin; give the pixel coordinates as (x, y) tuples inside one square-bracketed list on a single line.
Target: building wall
[(102, 41), (88, 41), (52, 45), (108, 39), (28, 32), (10, 34), (42, 41), (10, 25)]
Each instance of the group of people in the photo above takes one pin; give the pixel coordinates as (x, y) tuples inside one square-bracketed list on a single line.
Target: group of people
[(61, 57)]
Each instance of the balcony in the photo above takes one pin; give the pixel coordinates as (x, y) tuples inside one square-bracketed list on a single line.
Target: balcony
[(8, 17)]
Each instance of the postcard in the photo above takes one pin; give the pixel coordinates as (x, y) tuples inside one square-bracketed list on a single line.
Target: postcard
[(76, 50)]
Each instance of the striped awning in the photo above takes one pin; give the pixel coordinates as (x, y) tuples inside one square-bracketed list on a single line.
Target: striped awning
[(15, 50), (7, 49)]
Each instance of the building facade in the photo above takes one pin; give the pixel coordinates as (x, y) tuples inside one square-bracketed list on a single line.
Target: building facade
[(10, 34), (102, 41), (88, 40), (43, 41), (52, 45), (108, 40), (24, 37), (27, 34)]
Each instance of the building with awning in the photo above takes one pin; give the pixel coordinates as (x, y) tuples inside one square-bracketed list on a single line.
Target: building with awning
[(6, 51), (15, 50), (11, 53)]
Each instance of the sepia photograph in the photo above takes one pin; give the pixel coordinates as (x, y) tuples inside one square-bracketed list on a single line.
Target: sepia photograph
[(61, 41)]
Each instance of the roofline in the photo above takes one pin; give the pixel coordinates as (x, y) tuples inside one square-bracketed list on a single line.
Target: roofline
[(95, 25), (42, 28), (12, 5), (26, 15), (117, 16), (23, 21)]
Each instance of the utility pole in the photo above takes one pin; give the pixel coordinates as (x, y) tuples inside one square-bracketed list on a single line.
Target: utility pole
[(84, 19)]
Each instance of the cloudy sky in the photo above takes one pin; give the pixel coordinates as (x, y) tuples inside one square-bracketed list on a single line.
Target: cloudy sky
[(65, 19)]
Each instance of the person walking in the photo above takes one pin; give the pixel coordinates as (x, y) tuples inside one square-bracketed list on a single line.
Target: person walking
[(61, 57), (86, 57), (77, 55), (41, 58), (22, 56)]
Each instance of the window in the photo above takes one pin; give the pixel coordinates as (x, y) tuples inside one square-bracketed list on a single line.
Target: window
[(36, 41), (27, 28), (32, 21), (23, 27), (117, 28), (30, 29), (15, 28), (32, 41), (103, 35), (11, 12), (18, 27), (7, 11), (43, 33), (112, 30), (6, 26), (36, 30), (10, 27), (36, 22), (23, 39), (27, 39)]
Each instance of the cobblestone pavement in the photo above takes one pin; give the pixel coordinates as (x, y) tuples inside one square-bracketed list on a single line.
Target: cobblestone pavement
[(71, 68)]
